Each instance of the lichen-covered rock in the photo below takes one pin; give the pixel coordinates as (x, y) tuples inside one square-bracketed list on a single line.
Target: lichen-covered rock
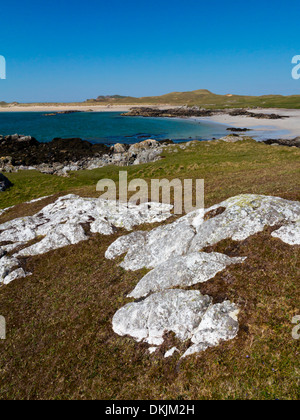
[(241, 217), (183, 271), (188, 314), (244, 216), (143, 145), (178, 311), (61, 223), (149, 249), (10, 269), (61, 235), (290, 234), (173, 254), (70, 219), (219, 323)]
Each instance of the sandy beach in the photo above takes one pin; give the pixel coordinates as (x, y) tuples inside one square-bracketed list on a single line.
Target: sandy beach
[(70, 107), (264, 128)]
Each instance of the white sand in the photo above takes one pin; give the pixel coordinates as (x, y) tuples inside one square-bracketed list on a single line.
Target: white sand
[(66, 107), (264, 128)]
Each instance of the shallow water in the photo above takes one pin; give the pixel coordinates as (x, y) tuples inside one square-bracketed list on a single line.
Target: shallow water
[(106, 127)]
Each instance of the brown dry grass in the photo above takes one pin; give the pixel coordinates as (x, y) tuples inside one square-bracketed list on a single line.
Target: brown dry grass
[(60, 344)]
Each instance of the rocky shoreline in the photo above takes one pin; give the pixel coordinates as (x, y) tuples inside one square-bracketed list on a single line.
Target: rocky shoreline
[(60, 156), (188, 112)]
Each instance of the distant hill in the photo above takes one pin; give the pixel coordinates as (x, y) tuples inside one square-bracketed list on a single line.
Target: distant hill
[(205, 99)]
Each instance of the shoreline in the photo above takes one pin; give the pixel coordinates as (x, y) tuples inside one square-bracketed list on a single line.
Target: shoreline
[(261, 129), (83, 108), (287, 128)]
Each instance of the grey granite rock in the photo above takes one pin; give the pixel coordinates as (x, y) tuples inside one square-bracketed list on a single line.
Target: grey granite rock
[(185, 271), (290, 234), (188, 314), (173, 254), (68, 221)]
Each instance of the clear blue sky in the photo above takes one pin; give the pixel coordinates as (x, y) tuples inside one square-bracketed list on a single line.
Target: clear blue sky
[(74, 50)]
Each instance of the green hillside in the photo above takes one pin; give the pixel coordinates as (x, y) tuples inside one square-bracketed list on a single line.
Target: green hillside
[(202, 98), (206, 99)]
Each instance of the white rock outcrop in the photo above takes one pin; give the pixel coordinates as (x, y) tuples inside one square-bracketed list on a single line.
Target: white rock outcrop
[(69, 220), (173, 252), (170, 352), (149, 249), (290, 234), (242, 217), (197, 267), (188, 314), (9, 269)]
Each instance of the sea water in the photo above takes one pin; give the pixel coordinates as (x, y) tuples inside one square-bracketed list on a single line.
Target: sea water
[(106, 127)]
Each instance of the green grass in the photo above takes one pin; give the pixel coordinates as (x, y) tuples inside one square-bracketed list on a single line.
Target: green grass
[(228, 169), (60, 344)]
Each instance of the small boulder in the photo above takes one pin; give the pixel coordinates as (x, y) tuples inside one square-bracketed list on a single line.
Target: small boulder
[(119, 148), (4, 183), (143, 145)]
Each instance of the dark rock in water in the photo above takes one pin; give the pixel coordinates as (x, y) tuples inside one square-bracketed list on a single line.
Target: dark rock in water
[(284, 142), (61, 112), (166, 141), (28, 151), (243, 112), (61, 156), (168, 113), (186, 112), (4, 183), (237, 130)]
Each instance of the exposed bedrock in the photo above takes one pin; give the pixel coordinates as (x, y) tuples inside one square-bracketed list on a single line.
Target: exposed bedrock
[(184, 111), (174, 255), (68, 221), (60, 156), (188, 314)]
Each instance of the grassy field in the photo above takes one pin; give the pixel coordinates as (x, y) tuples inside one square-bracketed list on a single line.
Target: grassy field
[(202, 98), (60, 343), (206, 99)]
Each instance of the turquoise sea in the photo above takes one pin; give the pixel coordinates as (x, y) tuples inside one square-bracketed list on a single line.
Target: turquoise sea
[(106, 127)]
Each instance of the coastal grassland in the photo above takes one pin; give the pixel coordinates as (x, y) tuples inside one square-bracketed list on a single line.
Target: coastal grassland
[(201, 97), (209, 100), (228, 169), (60, 343)]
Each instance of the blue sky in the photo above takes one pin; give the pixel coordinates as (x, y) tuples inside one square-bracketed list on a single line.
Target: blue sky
[(74, 50)]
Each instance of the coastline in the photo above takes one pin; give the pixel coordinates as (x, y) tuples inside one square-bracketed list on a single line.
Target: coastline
[(261, 129), (287, 128), (68, 107)]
